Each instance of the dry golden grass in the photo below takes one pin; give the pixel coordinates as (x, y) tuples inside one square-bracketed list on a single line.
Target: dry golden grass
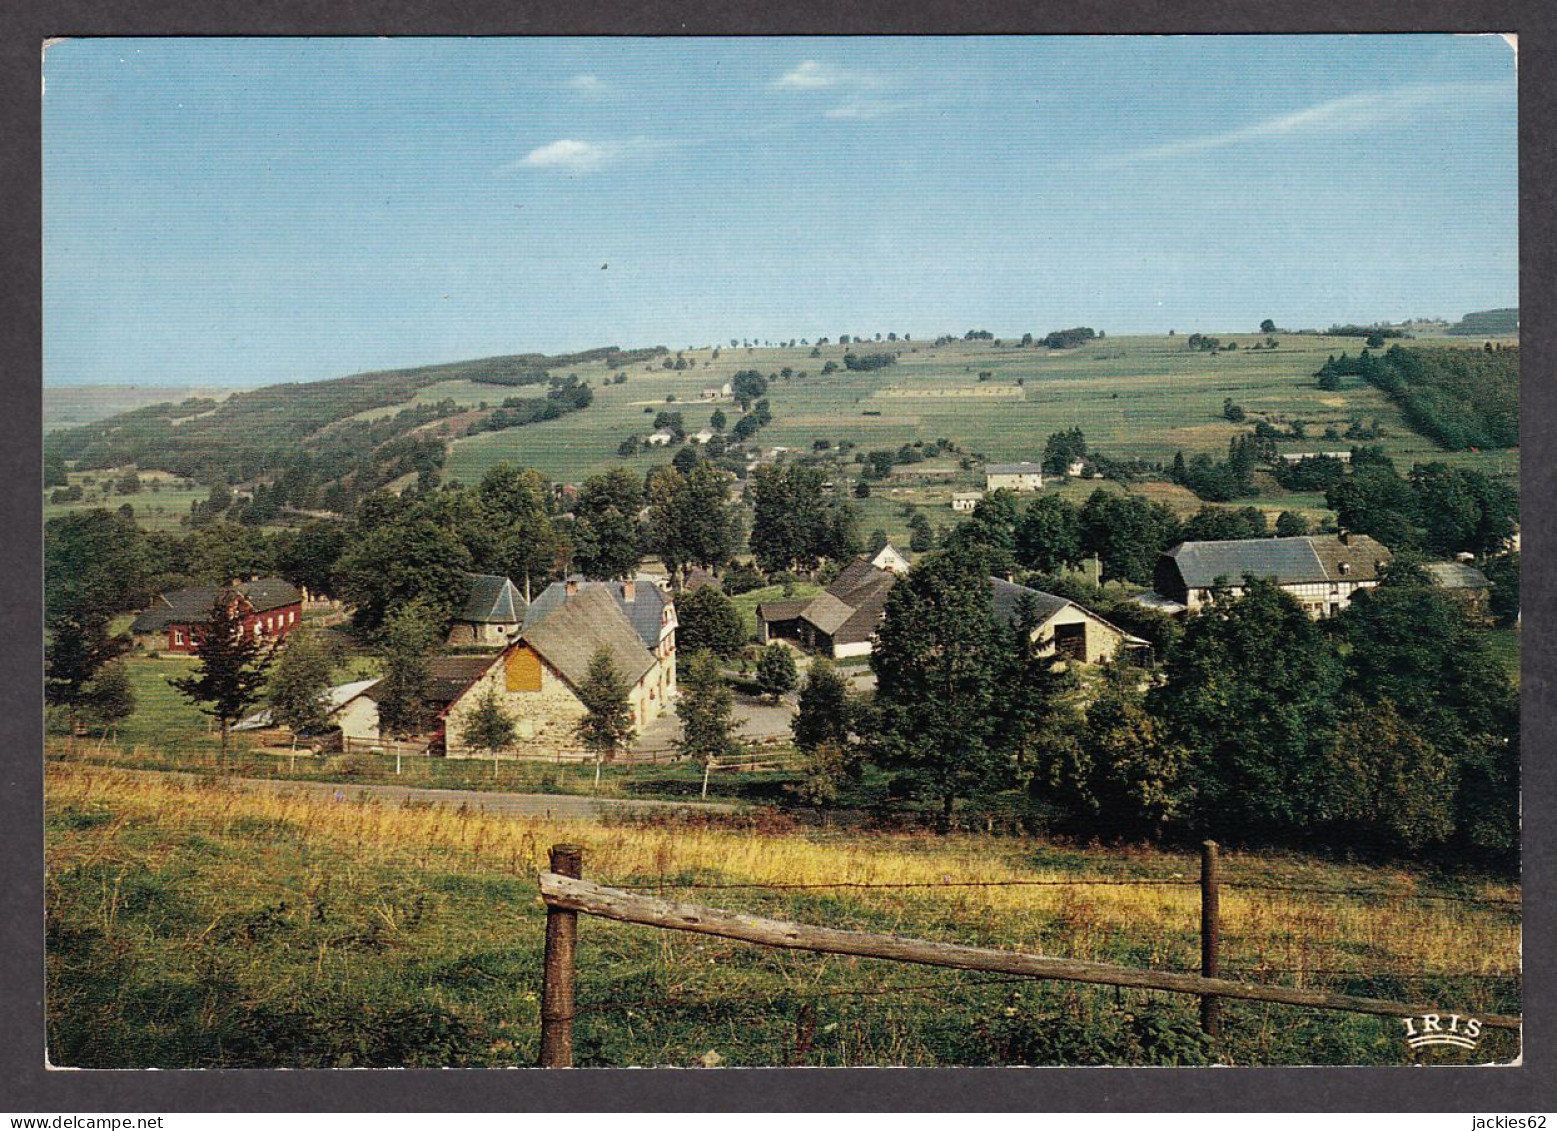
[(1291, 932)]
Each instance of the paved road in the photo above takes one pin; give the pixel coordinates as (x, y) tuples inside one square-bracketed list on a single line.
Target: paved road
[(560, 807)]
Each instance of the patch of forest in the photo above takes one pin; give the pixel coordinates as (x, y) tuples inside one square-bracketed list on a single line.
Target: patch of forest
[(1458, 398)]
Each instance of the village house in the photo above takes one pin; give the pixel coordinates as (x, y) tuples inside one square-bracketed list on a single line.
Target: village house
[(271, 609), (537, 678), (1013, 477), (842, 621), (889, 559), (1322, 571), (348, 707), (965, 501), (491, 615)]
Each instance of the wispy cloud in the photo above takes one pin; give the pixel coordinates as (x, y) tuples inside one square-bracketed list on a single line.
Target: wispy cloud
[(867, 108), (1348, 114), (814, 75), (592, 86), (570, 155)]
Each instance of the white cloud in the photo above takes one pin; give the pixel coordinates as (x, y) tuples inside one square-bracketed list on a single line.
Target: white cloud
[(814, 75), (866, 108), (592, 85), (1351, 113), (569, 155)]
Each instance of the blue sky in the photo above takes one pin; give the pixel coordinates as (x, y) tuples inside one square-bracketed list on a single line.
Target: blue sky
[(240, 212)]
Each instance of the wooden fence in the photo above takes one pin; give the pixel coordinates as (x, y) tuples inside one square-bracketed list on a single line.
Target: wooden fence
[(567, 895)]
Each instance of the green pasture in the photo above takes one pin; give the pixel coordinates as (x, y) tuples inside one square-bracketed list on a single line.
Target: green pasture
[(1136, 397)]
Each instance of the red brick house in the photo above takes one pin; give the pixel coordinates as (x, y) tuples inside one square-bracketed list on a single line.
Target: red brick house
[(272, 608)]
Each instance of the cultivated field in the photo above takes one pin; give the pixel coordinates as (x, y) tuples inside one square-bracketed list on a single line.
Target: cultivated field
[(198, 925)]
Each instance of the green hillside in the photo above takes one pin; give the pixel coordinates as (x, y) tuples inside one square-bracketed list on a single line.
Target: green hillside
[(1136, 398)]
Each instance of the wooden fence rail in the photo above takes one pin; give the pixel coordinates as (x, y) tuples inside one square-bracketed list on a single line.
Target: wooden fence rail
[(568, 895)]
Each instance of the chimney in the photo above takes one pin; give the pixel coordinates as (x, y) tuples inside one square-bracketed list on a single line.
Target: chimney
[(570, 586), (629, 591), (1346, 537)]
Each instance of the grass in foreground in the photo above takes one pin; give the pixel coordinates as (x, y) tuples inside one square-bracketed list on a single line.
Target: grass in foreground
[(198, 925)]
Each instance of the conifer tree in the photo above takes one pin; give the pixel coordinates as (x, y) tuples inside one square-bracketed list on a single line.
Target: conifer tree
[(233, 665)]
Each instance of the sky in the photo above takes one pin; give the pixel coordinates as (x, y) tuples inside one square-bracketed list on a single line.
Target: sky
[(250, 211)]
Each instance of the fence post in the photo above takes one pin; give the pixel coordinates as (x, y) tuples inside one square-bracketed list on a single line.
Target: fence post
[(1210, 937), (559, 974)]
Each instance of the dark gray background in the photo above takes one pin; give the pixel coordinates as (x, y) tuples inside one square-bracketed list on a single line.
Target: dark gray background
[(26, 1087)]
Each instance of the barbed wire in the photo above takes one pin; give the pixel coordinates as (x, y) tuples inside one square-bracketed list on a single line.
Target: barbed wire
[(692, 885), (1226, 885)]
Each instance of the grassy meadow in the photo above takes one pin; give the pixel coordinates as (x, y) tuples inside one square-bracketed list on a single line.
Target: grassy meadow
[(194, 924)]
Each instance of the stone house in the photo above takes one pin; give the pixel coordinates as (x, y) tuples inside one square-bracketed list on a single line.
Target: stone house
[(536, 678)]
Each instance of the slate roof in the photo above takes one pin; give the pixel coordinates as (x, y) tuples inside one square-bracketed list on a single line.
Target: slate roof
[(644, 612), (568, 637), (787, 609), (193, 605), (1006, 595), (1457, 575), (1013, 469), (1290, 561), (492, 599)]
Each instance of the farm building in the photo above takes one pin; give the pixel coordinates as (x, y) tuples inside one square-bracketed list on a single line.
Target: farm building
[(349, 707), (271, 608), (1321, 571), (1013, 477), (889, 559), (1464, 582), (964, 501), (536, 678), (1063, 629), (716, 393), (702, 436), (492, 613), (842, 620), (660, 439)]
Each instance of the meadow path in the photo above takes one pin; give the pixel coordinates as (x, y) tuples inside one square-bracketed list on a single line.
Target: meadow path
[(554, 806)]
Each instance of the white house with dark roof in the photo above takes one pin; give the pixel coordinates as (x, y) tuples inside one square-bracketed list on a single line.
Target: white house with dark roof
[(1323, 571)]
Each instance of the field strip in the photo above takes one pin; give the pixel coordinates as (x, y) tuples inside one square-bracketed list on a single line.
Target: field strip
[(553, 806)]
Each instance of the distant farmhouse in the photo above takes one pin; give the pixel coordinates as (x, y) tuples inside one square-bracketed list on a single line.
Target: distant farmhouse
[(842, 621), (492, 614), (963, 501), (1299, 457), (1013, 477), (660, 438), (271, 608), (889, 559), (717, 393), (1322, 571)]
